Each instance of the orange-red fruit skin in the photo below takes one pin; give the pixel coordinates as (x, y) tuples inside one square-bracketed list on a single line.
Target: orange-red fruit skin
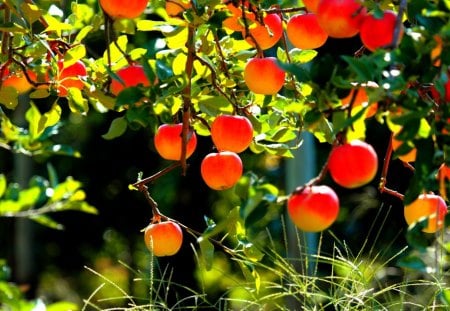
[(264, 76), (168, 141), (353, 164), (304, 31), (268, 34), (221, 170), (132, 75), (378, 32), (231, 133), (70, 77), (123, 9), (340, 18), (164, 238), (427, 205), (313, 209)]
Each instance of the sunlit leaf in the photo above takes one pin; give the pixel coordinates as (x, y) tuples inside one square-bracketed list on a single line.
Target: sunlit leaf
[(9, 97), (62, 306), (31, 12), (2, 184), (116, 129), (47, 221)]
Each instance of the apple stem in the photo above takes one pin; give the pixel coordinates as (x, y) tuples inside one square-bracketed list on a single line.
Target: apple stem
[(190, 44), (142, 182), (398, 24), (383, 179)]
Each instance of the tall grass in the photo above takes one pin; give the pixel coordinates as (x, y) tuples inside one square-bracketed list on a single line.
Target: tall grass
[(337, 279)]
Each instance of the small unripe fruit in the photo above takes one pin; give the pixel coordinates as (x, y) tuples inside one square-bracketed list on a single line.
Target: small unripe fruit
[(353, 164), (222, 170), (313, 208), (168, 141), (430, 206), (231, 133), (163, 238)]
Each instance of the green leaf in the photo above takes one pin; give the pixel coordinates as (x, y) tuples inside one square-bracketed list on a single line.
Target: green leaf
[(62, 306), (362, 67), (47, 221), (302, 56), (445, 296), (31, 12), (206, 251), (9, 97), (29, 197), (83, 33), (2, 184), (214, 105), (117, 128), (77, 102)]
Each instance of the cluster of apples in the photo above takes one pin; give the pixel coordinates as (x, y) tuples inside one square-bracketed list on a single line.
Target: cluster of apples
[(314, 208), (231, 134), (308, 30)]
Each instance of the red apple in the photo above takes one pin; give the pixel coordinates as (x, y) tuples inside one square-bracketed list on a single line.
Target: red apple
[(133, 75), (70, 77), (340, 18), (168, 142), (267, 34), (231, 133), (313, 208), (221, 170), (429, 206), (163, 238), (304, 31), (264, 76), (353, 164), (379, 32), (121, 9)]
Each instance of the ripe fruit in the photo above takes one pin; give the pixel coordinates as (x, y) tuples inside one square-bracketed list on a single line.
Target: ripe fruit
[(119, 9), (379, 32), (176, 7), (69, 77), (267, 34), (18, 80), (408, 157), (163, 238), (231, 133), (427, 205), (340, 18), (263, 76), (221, 170), (304, 31), (313, 209), (353, 164), (168, 141), (132, 75), (311, 5)]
